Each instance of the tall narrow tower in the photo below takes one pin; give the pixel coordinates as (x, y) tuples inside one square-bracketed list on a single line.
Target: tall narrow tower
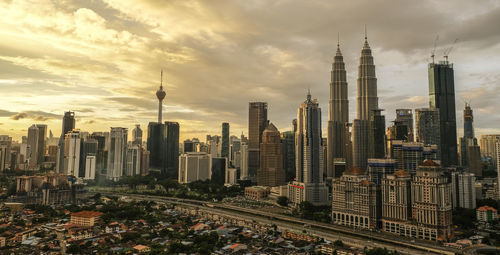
[(309, 185), (367, 102), (367, 84), (338, 114), (442, 97), (160, 94), (468, 120)]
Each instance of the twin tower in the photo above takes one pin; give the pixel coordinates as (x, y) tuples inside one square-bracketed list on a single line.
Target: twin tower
[(341, 153)]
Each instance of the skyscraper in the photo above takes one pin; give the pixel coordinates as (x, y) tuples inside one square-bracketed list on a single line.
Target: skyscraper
[(309, 185), (5, 152), (442, 97), (427, 129), (156, 145), (367, 102), (257, 122), (117, 153), (470, 155), (463, 190), (288, 144), (405, 117), (468, 122), (225, 140), (37, 135), (338, 114), (133, 160), (172, 149), (137, 135), (271, 172), (68, 124), (377, 135), (72, 153)]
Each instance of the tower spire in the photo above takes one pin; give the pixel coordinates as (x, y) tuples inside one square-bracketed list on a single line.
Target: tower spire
[(161, 79), (366, 34)]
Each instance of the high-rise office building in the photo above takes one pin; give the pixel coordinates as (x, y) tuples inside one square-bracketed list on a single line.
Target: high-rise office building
[(488, 145), (376, 135), (225, 140), (133, 160), (271, 172), (101, 155), (72, 153), (234, 152), (156, 146), (288, 144), (468, 122), (367, 103), (431, 203), (309, 185), (68, 124), (5, 152), (470, 153), (219, 170), (172, 148), (194, 166), (463, 190), (442, 97), (257, 122), (360, 141), (137, 135), (405, 117), (89, 147), (338, 114), (37, 135), (117, 153), (189, 146), (90, 167), (244, 161), (427, 130), (355, 200)]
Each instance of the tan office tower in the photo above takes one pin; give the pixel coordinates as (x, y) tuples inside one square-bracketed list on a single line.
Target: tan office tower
[(396, 203), (367, 102), (271, 172), (257, 122), (355, 200), (338, 116), (431, 203)]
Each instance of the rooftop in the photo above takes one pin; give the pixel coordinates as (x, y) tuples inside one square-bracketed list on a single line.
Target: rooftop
[(86, 214)]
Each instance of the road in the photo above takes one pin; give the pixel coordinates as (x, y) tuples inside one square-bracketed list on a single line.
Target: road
[(356, 238)]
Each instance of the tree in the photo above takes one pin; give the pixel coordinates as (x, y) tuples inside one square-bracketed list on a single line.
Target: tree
[(338, 243), (74, 249), (283, 201)]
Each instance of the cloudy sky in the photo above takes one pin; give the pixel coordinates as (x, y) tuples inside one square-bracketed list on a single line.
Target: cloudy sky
[(102, 59)]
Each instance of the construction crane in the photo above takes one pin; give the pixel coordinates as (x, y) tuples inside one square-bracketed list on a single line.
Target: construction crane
[(447, 51), (434, 48)]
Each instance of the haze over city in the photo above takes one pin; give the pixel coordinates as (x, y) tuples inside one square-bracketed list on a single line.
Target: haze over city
[(102, 59)]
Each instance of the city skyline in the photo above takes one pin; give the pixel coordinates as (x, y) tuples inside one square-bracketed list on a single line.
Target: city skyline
[(109, 77)]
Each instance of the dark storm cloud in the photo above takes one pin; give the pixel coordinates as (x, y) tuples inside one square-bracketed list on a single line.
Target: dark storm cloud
[(34, 115), (4, 113)]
